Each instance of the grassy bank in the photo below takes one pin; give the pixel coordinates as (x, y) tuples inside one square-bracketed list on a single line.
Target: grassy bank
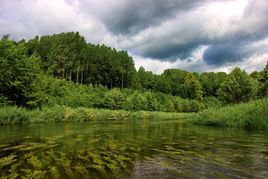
[(253, 114), (17, 115)]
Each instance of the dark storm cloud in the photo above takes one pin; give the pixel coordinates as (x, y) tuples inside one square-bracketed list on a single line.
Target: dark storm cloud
[(131, 17), (232, 48), (169, 52), (237, 47), (167, 31), (174, 39), (219, 54), (233, 45)]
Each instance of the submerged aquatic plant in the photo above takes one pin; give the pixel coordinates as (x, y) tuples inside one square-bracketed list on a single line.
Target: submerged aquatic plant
[(7, 160), (123, 149)]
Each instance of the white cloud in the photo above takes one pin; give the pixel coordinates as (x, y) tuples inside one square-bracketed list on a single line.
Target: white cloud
[(175, 40), (46, 17), (155, 66)]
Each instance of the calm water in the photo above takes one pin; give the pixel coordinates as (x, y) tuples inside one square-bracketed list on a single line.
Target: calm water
[(131, 149)]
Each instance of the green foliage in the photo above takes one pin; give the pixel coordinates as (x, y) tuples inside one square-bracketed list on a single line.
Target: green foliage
[(136, 102), (161, 84), (184, 84), (63, 70), (190, 80), (263, 82), (152, 103), (3, 100), (67, 55), (185, 105), (114, 99), (211, 82), (145, 78), (211, 102), (18, 73), (19, 115), (13, 115), (246, 115), (54, 114), (238, 87), (61, 53)]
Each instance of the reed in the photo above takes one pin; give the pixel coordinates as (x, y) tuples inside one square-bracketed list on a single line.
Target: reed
[(253, 114), (18, 115), (13, 115)]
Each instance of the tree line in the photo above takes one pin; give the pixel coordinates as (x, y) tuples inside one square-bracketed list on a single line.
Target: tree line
[(63, 69)]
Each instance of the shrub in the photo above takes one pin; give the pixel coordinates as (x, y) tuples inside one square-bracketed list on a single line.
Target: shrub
[(114, 99), (136, 102), (54, 114), (246, 115), (211, 102), (13, 115)]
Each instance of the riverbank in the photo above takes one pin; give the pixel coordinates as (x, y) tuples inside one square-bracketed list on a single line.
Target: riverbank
[(18, 115), (253, 114)]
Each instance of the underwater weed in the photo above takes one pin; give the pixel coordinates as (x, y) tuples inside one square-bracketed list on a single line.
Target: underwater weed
[(33, 160), (7, 160), (54, 172)]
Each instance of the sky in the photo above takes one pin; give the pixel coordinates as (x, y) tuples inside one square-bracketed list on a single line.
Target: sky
[(193, 35)]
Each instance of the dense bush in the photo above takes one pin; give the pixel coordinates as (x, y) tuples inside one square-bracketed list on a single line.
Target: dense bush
[(246, 115), (62, 92), (13, 115), (209, 102), (64, 70), (114, 99)]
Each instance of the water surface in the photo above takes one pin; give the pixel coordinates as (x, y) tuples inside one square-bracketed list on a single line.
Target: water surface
[(131, 149)]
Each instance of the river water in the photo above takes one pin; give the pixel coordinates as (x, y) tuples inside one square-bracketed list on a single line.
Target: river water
[(131, 149)]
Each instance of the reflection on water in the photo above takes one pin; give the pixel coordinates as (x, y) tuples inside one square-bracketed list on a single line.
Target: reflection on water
[(131, 149)]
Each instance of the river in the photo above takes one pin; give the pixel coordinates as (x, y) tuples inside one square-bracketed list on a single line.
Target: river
[(131, 149)]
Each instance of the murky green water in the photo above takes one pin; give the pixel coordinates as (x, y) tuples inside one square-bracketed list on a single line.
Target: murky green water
[(131, 149)]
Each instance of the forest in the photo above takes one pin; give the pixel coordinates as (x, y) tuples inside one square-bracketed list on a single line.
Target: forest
[(63, 69)]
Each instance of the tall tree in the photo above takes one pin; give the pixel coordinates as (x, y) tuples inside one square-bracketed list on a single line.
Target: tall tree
[(184, 84), (143, 77), (18, 72), (211, 82), (176, 77), (263, 82), (238, 87), (192, 82)]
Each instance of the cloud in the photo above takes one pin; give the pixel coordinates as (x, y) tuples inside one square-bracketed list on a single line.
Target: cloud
[(220, 54), (164, 33), (26, 19), (228, 35), (172, 39), (195, 63), (128, 17)]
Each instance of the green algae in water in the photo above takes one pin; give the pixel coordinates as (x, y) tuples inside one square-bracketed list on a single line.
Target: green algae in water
[(112, 149), (7, 160)]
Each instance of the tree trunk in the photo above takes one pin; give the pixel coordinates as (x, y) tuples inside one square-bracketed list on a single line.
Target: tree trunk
[(77, 75), (86, 72), (82, 75), (63, 73), (122, 81), (70, 76)]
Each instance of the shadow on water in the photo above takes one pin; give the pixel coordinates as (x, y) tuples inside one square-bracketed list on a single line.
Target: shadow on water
[(131, 149)]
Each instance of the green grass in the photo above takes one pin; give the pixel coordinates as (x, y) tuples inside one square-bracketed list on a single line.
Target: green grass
[(253, 114), (18, 115)]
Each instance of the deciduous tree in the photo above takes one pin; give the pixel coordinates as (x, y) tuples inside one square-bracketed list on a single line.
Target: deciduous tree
[(238, 87)]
